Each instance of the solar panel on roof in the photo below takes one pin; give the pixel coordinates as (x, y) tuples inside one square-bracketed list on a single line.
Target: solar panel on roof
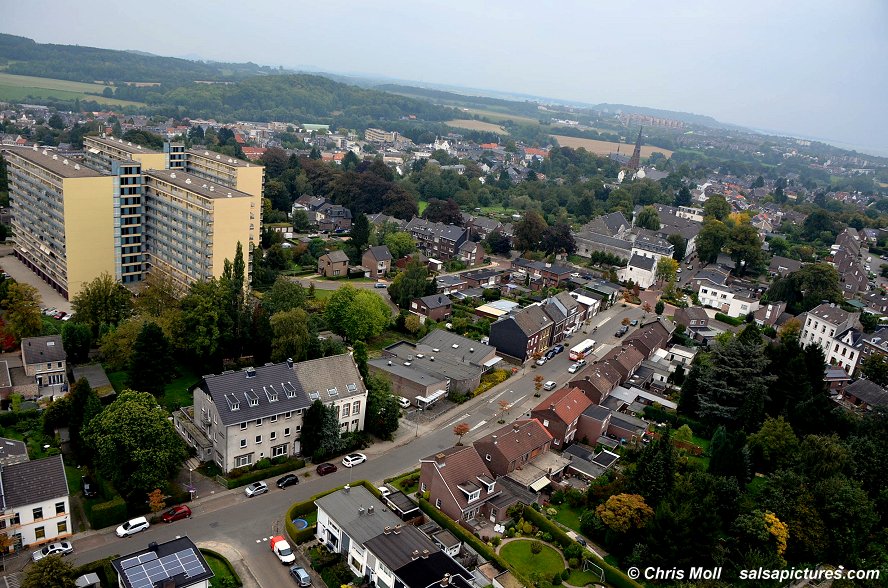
[(138, 560), (148, 573)]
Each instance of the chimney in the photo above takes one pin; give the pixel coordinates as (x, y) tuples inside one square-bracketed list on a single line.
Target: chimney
[(494, 439), (552, 406), (387, 530), (370, 510), (289, 362), (439, 459), (415, 554), (425, 554), (398, 529), (445, 581), (360, 511), (152, 546)]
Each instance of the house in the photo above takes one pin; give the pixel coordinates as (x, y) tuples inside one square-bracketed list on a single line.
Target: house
[(539, 273), (436, 307), (43, 358), (691, 317), (470, 253), (821, 324), (481, 226), (440, 361), (589, 303), (450, 283), (708, 276), (593, 424), (641, 270), (651, 336), (333, 264), (560, 413), (437, 240), (513, 446), (378, 260), (597, 381), (523, 333), (625, 360), (240, 417), (12, 451), (484, 278), (783, 266), (865, 394), (34, 502), (459, 483), (734, 301), (836, 378), (584, 461), (772, 314), (173, 564)]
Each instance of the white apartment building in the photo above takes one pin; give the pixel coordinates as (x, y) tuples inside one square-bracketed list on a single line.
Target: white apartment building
[(820, 325), (734, 302)]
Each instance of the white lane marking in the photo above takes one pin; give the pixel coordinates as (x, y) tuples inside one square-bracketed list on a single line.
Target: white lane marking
[(492, 400), (451, 423), (514, 402), (481, 424)]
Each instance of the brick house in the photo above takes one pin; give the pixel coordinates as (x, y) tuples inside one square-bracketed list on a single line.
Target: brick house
[(513, 446), (44, 359), (333, 264), (560, 413), (436, 307), (523, 333), (458, 482), (692, 317), (378, 260)]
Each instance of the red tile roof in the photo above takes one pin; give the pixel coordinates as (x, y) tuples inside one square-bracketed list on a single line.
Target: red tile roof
[(568, 403), (515, 440)]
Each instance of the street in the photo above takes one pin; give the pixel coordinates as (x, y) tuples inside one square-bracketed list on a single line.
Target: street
[(247, 523)]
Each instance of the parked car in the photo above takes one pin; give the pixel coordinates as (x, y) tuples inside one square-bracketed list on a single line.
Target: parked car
[(581, 362), (50, 311), (132, 526), (558, 348), (255, 489), (574, 368), (384, 490), (288, 480), (176, 513), (551, 354), (633, 322), (550, 385), (353, 459), (299, 574), (59, 315), (581, 541), (380, 285), (403, 402), (88, 487), (542, 360), (586, 276), (326, 468), (60, 548)]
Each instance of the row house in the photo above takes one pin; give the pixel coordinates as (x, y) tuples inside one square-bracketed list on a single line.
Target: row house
[(734, 301), (560, 413), (34, 502), (450, 283), (540, 273), (378, 260), (481, 227), (437, 240), (567, 315), (484, 278), (522, 334), (436, 307), (821, 324)]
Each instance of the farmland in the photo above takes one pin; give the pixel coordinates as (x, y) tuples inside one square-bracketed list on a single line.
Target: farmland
[(605, 147), (20, 88), (477, 125)]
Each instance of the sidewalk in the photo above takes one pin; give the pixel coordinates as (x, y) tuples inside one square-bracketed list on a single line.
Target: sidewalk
[(237, 561)]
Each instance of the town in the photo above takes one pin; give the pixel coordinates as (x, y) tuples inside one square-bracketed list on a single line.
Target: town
[(430, 347)]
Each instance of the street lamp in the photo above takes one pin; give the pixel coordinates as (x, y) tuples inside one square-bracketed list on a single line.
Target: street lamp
[(190, 484)]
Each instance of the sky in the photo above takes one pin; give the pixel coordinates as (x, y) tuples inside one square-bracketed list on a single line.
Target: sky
[(808, 68)]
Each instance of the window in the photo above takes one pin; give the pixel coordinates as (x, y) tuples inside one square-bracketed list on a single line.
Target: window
[(272, 436), (287, 432), (60, 508), (39, 533), (298, 428), (437, 503), (38, 513), (62, 527), (243, 426), (355, 424), (475, 495), (356, 407), (59, 364), (345, 410), (273, 419), (243, 442), (258, 438), (279, 450), (258, 422), (243, 460), (288, 415)]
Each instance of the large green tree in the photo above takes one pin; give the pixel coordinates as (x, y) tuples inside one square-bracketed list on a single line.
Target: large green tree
[(290, 335), (774, 445), (103, 301), (713, 236), (875, 368), (320, 435), (383, 411), (358, 315), (717, 207), (412, 283), (529, 231), (360, 232), (648, 218), (399, 243), (76, 338), (150, 361), (84, 407), (135, 445), (284, 295), (23, 316), (806, 288), (745, 248), (49, 572)]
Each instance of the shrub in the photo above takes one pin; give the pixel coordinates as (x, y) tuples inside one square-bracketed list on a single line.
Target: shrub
[(254, 474), (536, 547), (551, 511), (224, 561), (573, 563), (565, 574), (556, 579), (106, 514), (496, 541), (527, 528)]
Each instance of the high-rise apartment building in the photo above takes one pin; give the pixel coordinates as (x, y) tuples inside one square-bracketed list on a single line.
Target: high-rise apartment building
[(127, 210)]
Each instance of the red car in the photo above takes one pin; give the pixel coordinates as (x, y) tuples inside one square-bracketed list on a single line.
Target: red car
[(326, 468), (176, 513)]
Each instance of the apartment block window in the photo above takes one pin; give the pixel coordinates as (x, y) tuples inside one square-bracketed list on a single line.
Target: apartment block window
[(243, 426), (288, 415), (62, 527), (243, 460), (60, 508), (258, 438), (272, 436), (273, 419), (38, 513), (279, 450), (243, 442), (39, 533), (258, 422), (345, 410), (287, 432)]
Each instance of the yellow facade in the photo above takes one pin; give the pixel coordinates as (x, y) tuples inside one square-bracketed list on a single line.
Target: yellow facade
[(89, 230), (229, 228)]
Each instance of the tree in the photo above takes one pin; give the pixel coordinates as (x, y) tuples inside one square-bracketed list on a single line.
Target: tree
[(23, 316), (149, 368), (713, 236), (83, 406), (361, 356), (156, 502), (290, 335), (498, 243), (101, 302), (808, 287), (383, 411), (400, 243), (360, 232), (774, 445), (76, 339), (625, 512), (648, 218), (358, 315), (443, 211), (875, 368), (680, 245), (683, 198), (667, 269), (134, 445), (412, 323), (536, 548), (412, 283), (50, 571), (538, 384), (529, 231), (745, 247), (558, 239), (729, 456), (284, 295), (684, 433), (320, 431), (460, 430), (654, 474), (717, 207), (659, 307)]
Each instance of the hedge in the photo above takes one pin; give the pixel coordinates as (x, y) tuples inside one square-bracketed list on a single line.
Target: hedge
[(228, 566), (612, 576), (257, 475), (101, 567), (736, 321), (106, 514), (9, 418), (306, 506)]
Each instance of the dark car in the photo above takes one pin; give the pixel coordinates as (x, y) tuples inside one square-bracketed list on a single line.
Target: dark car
[(88, 486), (288, 480), (634, 322), (326, 468), (558, 348), (177, 513), (581, 541)]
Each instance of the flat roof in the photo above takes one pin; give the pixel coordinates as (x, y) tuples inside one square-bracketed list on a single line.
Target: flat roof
[(196, 184), (123, 145), (221, 158), (53, 162)]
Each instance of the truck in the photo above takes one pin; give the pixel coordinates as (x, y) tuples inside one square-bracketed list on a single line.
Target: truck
[(282, 549)]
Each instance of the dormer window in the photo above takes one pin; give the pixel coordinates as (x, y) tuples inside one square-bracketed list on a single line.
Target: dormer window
[(474, 495)]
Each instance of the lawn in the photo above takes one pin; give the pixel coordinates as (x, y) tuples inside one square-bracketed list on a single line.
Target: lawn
[(176, 394), (422, 206), (605, 147), (323, 294), (582, 578), (568, 516), (73, 476), (16, 87), (477, 125), (224, 576), (547, 563)]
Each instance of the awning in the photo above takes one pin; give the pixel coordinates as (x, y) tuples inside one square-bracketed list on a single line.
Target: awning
[(492, 362), (539, 484)]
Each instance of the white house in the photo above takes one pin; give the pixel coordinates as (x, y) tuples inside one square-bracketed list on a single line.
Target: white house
[(640, 270), (734, 302), (820, 325), (34, 502)]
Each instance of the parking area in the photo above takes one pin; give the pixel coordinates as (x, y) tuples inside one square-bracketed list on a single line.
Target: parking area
[(20, 273)]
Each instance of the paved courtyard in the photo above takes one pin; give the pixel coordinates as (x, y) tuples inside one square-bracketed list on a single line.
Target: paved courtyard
[(21, 273)]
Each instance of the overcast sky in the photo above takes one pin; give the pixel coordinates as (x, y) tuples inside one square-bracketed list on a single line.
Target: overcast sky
[(813, 68)]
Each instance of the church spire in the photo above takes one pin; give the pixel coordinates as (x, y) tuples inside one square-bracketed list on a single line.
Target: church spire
[(635, 160)]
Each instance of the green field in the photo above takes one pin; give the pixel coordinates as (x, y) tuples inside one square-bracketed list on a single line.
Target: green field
[(20, 88)]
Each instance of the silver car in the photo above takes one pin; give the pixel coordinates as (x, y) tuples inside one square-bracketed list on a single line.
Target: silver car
[(60, 548)]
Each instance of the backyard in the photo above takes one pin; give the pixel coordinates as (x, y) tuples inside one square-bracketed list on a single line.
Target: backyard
[(225, 576), (176, 393), (547, 562)]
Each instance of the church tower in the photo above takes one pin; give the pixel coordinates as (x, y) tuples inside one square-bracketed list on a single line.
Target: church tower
[(635, 160)]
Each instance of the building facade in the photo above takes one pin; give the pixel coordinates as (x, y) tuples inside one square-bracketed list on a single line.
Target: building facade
[(34, 501)]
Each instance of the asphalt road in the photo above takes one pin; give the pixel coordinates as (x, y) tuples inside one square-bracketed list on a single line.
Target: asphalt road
[(248, 523)]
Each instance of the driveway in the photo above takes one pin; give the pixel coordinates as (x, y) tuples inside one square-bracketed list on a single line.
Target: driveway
[(21, 273)]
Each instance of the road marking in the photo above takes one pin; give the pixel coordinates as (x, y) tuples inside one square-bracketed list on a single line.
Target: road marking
[(514, 402), (481, 424), (450, 424), (495, 397)]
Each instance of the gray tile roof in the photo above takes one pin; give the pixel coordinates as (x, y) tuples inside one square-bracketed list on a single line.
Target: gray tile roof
[(232, 392), (42, 349), (397, 547), (337, 256), (532, 320), (449, 232), (31, 482), (344, 507), (12, 451), (436, 301), (642, 262), (380, 253), (597, 412), (869, 392)]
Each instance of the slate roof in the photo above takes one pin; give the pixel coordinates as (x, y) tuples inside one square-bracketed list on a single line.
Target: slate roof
[(436, 301), (421, 226), (30, 482), (830, 313), (869, 392), (597, 412), (302, 379), (12, 451), (380, 253), (462, 464), (513, 441), (395, 549), (429, 572), (531, 320), (344, 506), (642, 262), (43, 349), (337, 256), (784, 265)]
